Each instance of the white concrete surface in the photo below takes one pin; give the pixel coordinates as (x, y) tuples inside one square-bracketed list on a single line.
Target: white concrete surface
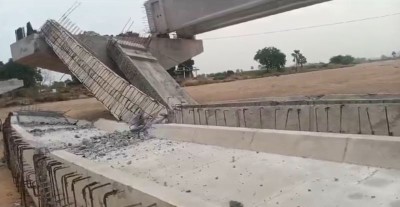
[(193, 17), (219, 175), (132, 189), (378, 151), (9, 85), (171, 170)]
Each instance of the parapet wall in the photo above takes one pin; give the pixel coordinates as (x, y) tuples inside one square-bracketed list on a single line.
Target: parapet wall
[(374, 117), (377, 151)]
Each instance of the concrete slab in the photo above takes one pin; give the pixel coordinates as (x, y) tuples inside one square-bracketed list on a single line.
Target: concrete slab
[(219, 175), (9, 85), (378, 151)]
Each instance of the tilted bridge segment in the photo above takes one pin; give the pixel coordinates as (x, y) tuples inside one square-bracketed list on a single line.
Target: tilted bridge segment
[(141, 66)]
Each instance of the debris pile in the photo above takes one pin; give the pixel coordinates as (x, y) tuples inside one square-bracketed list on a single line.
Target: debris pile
[(99, 146)]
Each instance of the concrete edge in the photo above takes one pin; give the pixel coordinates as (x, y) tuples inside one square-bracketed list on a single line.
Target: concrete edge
[(158, 193), (377, 151)]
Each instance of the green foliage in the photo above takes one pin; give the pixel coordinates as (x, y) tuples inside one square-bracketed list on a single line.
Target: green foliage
[(342, 60), (299, 58), (271, 58), (30, 76), (58, 84), (230, 73), (222, 75)]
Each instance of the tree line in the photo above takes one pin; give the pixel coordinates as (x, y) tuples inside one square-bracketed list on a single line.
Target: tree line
[(271, 58)]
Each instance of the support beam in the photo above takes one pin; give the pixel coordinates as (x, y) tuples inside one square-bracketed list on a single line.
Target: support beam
[(191, 17)]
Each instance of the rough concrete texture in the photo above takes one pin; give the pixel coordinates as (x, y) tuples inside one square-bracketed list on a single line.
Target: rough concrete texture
[(123, 100), (209, 15), (9, 85), (34, 51), (220, 175), (375, 117), (59, 133), (378, 151), (172, 52), (144, 71), (167, 171)]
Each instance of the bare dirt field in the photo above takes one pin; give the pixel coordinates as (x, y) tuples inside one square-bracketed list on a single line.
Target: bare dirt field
[(370, 78)]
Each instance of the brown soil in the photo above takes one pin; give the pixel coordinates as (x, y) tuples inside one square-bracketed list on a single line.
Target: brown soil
[(376, 78)]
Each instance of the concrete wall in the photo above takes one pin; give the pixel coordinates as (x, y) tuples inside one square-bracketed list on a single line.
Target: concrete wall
[(172, 52), (378, 151), (144, 71), (35, 52), (340, 116), (193, 17), (9, 85)]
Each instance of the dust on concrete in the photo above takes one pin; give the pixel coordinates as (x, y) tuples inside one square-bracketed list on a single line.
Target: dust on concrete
[(98, 147)]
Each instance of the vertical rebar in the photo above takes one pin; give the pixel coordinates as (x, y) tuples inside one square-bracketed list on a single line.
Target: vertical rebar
[(244, 116), (287, 117), (216, 116), (327, 118), (261, 119), (224, 112), (298, 118), (387, 122), (316, 118), (369, 121)]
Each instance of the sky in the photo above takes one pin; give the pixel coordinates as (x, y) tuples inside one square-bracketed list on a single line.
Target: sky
[(368, 39)]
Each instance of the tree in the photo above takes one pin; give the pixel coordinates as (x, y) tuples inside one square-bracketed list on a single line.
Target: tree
[(75, 80), (299, 59), (187, 68), (394, 54), (342, 60), (271, 58), (230, 73), (30, 76)]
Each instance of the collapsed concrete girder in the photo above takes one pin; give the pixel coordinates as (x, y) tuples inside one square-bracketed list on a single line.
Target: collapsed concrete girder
[(35, 52), (9, 85), (191, 17)]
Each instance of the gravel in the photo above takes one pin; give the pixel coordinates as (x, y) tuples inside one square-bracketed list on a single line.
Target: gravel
[(99, 146)]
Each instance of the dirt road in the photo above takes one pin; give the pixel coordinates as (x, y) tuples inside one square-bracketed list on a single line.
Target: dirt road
[(378, 77)]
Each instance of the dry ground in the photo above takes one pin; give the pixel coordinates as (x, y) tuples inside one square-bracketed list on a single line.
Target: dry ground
[(376, 78), (379, 77)]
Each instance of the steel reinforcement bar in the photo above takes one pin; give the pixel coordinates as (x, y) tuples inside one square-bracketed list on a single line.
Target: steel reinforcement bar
[(122, 99), (374, 117)]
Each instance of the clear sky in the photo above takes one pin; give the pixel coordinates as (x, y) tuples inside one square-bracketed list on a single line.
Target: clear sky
[(361, 39)]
